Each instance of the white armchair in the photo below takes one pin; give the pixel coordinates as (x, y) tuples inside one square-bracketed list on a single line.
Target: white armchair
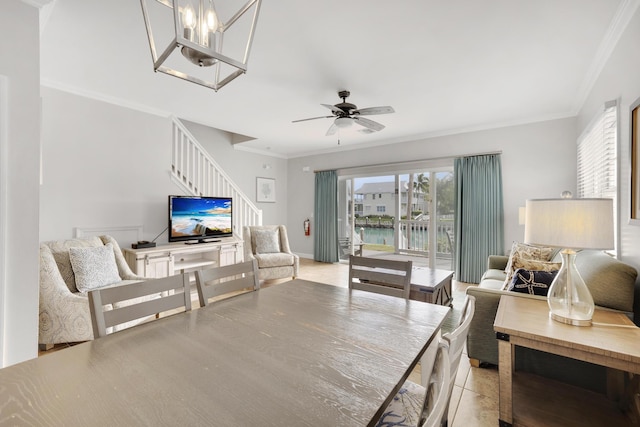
[(64, 311), (269, 246)]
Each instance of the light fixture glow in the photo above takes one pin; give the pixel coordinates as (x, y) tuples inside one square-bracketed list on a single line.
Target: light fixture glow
[(189, 18), (343, 122), (212, 20)]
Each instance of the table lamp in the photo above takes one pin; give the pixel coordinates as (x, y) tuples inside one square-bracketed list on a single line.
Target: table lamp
[(570, 224)]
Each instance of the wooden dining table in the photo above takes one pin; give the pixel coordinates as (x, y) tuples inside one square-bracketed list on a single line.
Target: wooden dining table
[(299, 353)]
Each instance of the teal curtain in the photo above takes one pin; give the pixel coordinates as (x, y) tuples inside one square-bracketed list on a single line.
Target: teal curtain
[(479, 214), (325, 243)]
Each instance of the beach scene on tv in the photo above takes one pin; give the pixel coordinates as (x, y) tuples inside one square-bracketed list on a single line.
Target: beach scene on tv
[(195, 217)]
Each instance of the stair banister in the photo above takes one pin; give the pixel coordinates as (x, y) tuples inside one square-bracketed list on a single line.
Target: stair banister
[(198, 174)]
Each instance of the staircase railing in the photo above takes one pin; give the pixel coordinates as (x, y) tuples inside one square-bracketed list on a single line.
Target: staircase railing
[(199, 175)]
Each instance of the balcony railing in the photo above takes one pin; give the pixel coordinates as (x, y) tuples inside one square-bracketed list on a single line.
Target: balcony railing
[(418, 232), (414, 234)]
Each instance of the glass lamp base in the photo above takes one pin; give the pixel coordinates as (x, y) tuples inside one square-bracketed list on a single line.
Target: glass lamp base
[(569, 298), (569, 321)]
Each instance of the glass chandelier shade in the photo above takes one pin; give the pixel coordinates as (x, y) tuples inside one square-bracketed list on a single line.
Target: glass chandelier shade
[(570, 224), (211, 50)]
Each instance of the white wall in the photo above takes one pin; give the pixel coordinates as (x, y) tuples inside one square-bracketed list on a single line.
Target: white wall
[(107, 166), (20, 63), (538, 160), (620, 79), (244, 167), (103, 166)]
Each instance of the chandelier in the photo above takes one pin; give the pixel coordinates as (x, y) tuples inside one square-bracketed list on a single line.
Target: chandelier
[(196, 41)]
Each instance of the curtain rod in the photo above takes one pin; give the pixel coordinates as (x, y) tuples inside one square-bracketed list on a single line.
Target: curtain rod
[(488, 153)]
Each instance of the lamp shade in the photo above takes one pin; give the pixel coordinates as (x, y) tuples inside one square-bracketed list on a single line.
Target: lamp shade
[(570, 223)]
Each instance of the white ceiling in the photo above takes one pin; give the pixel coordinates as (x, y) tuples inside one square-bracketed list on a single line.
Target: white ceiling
[(445, 66)]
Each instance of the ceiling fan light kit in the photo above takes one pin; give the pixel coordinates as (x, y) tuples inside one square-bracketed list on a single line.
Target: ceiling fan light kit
[(211, 50), (343, 122), (346, 113)]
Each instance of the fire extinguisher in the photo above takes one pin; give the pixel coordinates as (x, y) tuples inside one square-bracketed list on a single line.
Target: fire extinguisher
[(307, 227)]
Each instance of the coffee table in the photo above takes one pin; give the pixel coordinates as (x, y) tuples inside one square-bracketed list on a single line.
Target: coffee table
[(431, 285)]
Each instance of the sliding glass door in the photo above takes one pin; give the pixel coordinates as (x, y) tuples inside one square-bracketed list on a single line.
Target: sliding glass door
[(404, 213), (426, 217)]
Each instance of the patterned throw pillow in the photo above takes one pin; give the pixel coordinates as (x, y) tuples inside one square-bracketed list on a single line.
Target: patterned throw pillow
[(266, 241), (532, 282), (94, 267), (522, 255)]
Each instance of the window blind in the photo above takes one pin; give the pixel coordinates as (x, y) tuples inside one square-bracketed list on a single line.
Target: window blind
[(597, 156)]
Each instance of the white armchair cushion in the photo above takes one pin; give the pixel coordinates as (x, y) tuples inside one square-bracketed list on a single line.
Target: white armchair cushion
[(59, 249), (94, 267), (274, 260), (267, 241)]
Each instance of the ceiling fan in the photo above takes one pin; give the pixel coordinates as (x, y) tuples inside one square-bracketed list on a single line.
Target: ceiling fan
[(346, 113)]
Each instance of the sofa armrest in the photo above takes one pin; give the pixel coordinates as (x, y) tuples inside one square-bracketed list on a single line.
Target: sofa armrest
[(57, 303), (481, 340), (497, 262), (124, 271)]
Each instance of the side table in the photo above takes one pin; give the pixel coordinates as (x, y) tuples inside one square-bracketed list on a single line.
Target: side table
[(612, 341)]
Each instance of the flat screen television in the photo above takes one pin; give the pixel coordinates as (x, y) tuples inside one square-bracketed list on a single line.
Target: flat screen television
[(199, 219)]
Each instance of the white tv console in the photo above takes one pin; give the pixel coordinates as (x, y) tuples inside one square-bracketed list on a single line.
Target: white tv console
[(173, 258)]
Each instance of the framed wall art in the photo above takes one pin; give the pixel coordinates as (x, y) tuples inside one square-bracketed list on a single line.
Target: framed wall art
[(634, 136), (266, 190)]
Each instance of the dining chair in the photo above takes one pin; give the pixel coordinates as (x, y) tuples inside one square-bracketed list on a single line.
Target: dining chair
[(415, 405), (126, 304), (228, 279), (383, 276), (455, 340)]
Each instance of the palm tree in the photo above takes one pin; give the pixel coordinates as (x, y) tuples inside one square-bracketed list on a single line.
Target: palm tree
[(409, 209), (421, 185)]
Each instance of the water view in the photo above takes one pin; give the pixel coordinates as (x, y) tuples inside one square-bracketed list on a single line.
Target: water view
[(419, 238)]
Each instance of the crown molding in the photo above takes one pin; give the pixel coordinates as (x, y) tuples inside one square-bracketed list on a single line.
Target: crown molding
[(436, 134), (104, 98), (618, 25), (239, 147), (37, 3)]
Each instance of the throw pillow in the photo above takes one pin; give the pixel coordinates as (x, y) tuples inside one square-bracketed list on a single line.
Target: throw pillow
[(532, 265), (522, 252), (94, 267), (266, 241), (532, 282)]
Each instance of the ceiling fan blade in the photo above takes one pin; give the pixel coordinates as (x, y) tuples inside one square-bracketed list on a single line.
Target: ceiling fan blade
[(366, 131), (332, 129), (374, 110), (369, 124), (333, 108), (312, 118)]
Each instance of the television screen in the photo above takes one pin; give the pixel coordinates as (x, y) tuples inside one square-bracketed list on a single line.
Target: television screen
[(199, 218)]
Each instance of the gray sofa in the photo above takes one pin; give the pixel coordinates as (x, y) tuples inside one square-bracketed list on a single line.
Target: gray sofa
[(611, 284)]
